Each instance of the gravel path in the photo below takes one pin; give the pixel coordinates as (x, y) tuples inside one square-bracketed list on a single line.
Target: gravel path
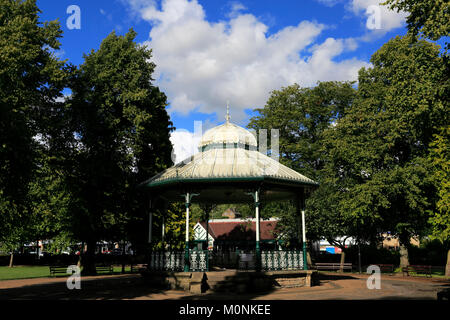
[(332, 287)]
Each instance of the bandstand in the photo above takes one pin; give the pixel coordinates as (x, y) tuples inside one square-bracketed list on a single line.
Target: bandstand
[(229, 169)]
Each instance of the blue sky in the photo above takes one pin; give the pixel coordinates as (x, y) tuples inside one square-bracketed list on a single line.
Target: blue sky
[(211, 51)]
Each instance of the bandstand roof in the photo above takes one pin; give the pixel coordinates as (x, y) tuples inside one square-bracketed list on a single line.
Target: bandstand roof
[(229, 164)]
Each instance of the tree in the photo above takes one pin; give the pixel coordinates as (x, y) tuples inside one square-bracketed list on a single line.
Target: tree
[(428, 17), (303, 116), (440, 218), (49, 198), (31, 79), (380, 147), (122, 128)]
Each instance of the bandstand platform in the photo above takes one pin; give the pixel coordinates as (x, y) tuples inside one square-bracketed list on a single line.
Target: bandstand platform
[(231, 281), (230, 167)]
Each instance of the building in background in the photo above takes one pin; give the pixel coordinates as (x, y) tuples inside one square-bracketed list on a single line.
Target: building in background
[(236, 234)]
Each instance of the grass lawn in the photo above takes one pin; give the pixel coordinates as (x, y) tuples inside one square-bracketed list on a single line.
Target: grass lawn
[(29, 272), (24, 272)]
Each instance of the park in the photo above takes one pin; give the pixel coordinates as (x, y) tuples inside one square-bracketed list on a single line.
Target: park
[(338, 190)]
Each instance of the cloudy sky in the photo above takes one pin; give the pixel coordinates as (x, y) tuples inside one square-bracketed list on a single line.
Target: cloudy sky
[(209, 52)]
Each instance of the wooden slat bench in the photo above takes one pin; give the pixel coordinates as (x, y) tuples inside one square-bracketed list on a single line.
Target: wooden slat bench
[(386, 268), (58, 270), (105, 268), (135, 268), (417, 269), (332, 266)]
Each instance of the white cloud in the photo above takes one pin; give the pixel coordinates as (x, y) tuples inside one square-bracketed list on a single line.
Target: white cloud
[(202, 64), (185, 144), (236, 9), (389, 19)]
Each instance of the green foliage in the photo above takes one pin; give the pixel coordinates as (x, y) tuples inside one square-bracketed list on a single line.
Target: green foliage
[(122, 138), (429, 253), (175, 227), (379, 150), (429, 17), (31, 78), (303, 116), (439, 158)]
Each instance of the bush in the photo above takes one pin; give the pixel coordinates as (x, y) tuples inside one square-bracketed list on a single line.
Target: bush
[(429, 253)]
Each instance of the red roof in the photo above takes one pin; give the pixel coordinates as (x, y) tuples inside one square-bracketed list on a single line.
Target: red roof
[(241, 230)]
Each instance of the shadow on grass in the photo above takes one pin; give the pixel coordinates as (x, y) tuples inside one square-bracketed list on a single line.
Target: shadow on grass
[(114, 288)]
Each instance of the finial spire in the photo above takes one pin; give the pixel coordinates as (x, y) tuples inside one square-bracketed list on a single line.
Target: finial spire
[(228, 112)]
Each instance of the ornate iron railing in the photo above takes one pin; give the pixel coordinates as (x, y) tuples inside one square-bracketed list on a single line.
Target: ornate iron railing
[(281, 260), (198, 260), (174, 260), (167, 261)]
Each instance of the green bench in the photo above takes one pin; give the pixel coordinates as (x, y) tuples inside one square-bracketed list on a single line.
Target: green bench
[(386, 268), (136, 268), (105, 268), (332, 266), (54, 270), (417, 269)]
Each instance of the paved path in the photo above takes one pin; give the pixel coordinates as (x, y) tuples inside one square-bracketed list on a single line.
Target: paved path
[(132, 287)]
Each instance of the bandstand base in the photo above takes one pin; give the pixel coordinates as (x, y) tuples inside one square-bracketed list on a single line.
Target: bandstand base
[(233, 281)]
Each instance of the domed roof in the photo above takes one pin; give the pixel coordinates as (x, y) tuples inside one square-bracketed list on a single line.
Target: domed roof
[(228, 133), (225, 173)]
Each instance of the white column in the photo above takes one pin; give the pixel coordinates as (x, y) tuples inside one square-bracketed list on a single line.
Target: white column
[(187, 217), (150, 222), (163, 229), (257, 216), (303, 226)]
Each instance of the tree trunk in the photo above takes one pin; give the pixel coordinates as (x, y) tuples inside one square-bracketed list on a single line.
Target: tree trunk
[(89, 259), (11, 259), (308, 259), (447, 267), (404, 256), (81, 254), (341, 267), (123, 258)]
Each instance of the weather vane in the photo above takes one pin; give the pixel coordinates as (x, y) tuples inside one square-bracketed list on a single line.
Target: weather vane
[(228, 112)]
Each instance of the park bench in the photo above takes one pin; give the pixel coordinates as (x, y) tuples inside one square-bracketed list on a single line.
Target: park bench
[(386, 268), (333, 266), (105, 268), (58, 270), (135, 268), (417, 269)]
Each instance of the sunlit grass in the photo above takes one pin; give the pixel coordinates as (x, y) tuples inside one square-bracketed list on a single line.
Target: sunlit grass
[(30, 272)]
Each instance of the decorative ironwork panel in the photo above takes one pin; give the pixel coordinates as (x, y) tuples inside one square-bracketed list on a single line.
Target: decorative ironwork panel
[(179, 261), (167, 261), (198, 260), (193, 260), (281, 260)]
